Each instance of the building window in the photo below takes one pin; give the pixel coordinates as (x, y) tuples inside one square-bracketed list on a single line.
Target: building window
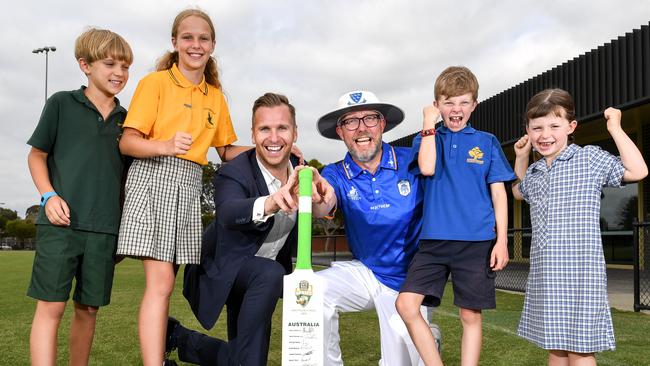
[(618, 209)]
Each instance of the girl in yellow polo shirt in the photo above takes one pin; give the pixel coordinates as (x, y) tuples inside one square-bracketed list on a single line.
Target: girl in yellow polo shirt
[(176, 114)]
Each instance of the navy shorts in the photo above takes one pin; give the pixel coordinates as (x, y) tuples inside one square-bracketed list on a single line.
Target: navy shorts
[(468, 262)]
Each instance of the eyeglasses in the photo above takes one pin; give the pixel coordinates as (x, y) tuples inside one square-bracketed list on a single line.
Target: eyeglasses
[(352, 124)]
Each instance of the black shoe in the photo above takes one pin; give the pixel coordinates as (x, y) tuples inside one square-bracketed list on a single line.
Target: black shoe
[(171, 340)]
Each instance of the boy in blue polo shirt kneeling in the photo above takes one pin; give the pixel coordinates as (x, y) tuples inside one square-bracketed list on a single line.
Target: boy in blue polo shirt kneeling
[(464, 200)]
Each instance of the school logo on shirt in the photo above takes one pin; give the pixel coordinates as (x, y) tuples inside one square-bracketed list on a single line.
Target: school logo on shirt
[(353, 194), (304, 292), (476, 156), (209, 118), (404, 187)]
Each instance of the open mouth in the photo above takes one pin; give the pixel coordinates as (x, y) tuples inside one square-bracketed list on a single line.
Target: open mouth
[(363, 141), (273, 149), (455, 119), (194, 55)]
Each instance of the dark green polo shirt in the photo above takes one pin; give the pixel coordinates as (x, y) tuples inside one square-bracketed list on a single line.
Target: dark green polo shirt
[(84, 161)]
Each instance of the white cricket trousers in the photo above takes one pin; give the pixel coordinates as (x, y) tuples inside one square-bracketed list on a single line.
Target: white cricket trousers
[(350, 286)]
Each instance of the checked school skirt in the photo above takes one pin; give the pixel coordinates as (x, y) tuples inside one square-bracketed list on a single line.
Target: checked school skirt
[(161, 218)]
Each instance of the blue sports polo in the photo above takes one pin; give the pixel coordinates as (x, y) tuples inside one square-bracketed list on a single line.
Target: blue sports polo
[(458, 204), (382, 212)]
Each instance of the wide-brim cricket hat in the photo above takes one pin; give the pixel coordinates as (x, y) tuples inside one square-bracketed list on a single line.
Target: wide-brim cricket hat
[(355, 101)]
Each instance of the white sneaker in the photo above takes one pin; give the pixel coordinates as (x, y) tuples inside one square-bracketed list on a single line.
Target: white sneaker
[(437, 335)]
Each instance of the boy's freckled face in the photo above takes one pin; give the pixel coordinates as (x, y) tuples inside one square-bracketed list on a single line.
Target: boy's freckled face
[(455, 111), (549, 135), (107, 75)]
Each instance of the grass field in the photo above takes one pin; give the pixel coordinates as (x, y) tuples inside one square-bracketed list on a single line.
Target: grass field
[(116, 340)]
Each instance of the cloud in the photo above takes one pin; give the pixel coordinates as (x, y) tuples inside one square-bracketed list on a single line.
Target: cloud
[(311, 51)]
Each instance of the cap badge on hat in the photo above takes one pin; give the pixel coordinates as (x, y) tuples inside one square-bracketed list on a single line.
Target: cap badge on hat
[(356, 98)]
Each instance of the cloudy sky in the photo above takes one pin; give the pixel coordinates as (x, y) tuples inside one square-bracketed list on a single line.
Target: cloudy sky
[(312, 51)]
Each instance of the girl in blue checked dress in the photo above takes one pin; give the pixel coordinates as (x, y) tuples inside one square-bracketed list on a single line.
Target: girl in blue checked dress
[(566, 310)]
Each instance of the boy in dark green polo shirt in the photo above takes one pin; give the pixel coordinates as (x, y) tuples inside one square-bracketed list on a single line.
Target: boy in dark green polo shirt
[(77, 168)]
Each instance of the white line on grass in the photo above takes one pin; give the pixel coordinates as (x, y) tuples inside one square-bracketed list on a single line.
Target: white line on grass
[(493, 326), (602, 360)]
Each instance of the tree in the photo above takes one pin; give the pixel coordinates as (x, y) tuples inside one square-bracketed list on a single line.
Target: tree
[(32, 213), (5, 216), (207, 189), (207, 193), (20, 229), (316, 164)]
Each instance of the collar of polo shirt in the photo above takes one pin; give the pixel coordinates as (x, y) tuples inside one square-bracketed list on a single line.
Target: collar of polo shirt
[(177, 77)]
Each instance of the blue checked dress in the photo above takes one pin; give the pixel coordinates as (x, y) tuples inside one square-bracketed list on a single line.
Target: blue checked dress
[(566, 305)]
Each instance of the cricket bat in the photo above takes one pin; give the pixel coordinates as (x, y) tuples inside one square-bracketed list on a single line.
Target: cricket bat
[(302, 304)]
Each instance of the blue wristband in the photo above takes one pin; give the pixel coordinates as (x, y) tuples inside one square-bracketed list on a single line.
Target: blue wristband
[(46, 196)]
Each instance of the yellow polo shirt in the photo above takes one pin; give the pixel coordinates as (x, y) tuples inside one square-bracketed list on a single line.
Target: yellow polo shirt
[(166, 102)]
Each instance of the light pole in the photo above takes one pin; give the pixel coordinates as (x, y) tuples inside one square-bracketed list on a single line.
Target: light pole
[(47, 50)]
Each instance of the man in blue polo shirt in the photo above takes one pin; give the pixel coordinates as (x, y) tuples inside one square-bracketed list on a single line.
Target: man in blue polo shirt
[(382, 207)]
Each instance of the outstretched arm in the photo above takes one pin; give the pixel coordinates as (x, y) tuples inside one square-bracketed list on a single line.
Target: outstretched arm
[(134, 144), (635, 166), (229, 152), (284, 199), (427, 152), (499, 256), (522, 153), (56, 209)]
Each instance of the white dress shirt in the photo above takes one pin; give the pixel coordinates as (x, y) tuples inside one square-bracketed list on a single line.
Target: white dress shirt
[(282, 224)]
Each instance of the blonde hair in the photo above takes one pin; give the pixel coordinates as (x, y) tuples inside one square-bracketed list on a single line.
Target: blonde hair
[(455, 81), (211, 72), (98, 44)]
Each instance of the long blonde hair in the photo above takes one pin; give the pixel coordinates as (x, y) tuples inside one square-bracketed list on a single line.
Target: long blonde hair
[(170, 58)]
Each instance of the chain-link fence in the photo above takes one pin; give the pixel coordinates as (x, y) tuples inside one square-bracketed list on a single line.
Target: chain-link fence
[(641, 266), (326, 249), (515, 275)]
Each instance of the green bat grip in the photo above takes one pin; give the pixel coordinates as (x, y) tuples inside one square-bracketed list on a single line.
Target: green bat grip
[(304, 219)]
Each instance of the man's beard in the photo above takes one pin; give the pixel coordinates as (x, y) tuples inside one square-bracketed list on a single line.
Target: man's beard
[(365, 156)]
